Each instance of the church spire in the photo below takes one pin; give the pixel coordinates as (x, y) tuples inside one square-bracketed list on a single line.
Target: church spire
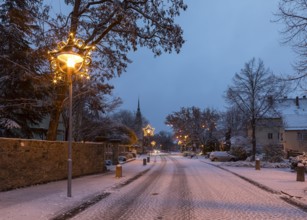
[(138, 121), (138, 109)]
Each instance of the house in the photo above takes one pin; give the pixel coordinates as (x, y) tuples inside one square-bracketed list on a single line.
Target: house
[(294, 114), (269, 131), (287, 126)]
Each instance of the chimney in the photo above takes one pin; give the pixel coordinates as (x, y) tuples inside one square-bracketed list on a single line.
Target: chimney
[(297, 101), (270, 100)]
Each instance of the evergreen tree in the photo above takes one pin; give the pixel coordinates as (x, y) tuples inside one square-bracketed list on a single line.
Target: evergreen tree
[(21, 89)]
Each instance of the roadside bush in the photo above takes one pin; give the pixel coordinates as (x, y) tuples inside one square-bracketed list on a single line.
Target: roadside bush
[(239, 152), (273, 153), (212, 144)]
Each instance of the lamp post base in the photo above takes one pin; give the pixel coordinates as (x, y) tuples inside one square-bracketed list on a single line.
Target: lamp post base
[(69, 163)]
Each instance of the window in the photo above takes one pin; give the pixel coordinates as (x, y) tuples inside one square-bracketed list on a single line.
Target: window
[(299, 136), (280, 136), (270, 135), (302, 136)]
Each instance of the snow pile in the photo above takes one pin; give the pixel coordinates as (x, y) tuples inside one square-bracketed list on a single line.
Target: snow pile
[(302, 159), (239, 141), (263, 164)]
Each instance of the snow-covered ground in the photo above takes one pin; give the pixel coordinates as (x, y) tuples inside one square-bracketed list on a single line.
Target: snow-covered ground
[(48, 200), (263, 164), (278, 177)]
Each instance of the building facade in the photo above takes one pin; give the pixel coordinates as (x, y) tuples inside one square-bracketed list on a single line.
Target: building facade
[(288, 128)]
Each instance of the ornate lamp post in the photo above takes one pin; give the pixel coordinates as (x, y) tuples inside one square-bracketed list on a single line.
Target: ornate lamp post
[(70, 58), (148, 132)]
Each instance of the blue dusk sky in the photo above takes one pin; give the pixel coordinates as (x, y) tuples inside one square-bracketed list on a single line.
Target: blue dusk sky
[(221, 36)]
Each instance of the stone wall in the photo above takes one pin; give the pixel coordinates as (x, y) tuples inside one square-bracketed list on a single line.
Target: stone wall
[(28, 162)]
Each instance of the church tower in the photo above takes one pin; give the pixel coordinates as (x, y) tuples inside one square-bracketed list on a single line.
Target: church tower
[(138, 122)]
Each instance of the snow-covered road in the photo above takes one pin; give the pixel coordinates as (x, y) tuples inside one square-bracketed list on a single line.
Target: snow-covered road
[(183, 188)]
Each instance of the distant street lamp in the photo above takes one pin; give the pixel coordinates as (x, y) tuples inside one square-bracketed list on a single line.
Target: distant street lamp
[(70, 57), (153, 143), (148, 132)]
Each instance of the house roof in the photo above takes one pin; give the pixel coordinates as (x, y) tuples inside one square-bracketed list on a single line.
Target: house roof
[(294, 113), (295, 122)]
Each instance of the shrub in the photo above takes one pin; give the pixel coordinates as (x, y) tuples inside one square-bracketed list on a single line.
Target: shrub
[(212, 144), (273, 153), (239, 152)]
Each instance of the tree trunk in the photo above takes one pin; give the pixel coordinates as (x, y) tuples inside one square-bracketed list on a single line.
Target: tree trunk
[(75, 17), (62, 90), (56, 112), (253, 138)]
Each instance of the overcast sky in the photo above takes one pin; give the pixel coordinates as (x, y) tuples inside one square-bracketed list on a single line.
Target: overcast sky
[(221, 36)]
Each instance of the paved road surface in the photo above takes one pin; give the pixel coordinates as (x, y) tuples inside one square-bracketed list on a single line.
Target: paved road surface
[(183, 188)]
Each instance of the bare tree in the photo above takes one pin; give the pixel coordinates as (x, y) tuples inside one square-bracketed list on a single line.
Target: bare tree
[(234, 120), (253, 91), (293, 14), (193, 126)]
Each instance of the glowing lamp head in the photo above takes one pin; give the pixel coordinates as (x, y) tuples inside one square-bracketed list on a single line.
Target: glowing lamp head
[(70, 60)]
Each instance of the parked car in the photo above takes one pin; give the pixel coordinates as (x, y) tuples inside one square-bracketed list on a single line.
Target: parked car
[(222, 156), (188, 154), (108, 162), (122, 159)]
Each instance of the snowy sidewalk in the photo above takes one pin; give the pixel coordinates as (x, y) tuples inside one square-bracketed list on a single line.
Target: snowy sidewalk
[(49, 200), (277, 180)]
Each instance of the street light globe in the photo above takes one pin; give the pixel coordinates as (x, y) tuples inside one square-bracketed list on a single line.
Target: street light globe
[(71, 57), (69, 60)]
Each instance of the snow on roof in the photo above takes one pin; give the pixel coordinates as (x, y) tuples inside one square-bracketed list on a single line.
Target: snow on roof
[(294, 113), (295, 122)]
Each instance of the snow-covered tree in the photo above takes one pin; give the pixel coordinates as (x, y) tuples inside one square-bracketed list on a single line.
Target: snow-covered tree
[(22, 91), (89, 105), (193, 126), (164, 141), (127, 118)]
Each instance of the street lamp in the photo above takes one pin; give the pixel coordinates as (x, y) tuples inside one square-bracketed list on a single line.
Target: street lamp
[(148, 132), (153, 143), (70, 57)]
